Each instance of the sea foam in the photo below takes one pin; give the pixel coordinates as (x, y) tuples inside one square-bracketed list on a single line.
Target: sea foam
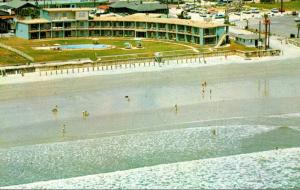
[(269, 169)]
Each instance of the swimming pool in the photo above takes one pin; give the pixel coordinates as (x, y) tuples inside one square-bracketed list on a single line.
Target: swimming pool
[(85, 46)]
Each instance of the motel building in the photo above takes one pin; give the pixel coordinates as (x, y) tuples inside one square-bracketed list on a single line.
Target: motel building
[(76, 22)]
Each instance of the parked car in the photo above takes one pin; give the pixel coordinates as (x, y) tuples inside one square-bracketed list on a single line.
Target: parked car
[(219, 16), (246, 12), (274, 10), (297, 19), (203, 14), (254, 10)]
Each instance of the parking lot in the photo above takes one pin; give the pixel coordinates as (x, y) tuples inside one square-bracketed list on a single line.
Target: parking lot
[(280, 25)]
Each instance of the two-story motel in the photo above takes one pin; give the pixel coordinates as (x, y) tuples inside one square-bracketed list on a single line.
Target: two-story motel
[(76, 22)]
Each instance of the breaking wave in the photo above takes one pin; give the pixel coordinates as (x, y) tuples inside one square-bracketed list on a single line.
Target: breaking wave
[(269, 169)]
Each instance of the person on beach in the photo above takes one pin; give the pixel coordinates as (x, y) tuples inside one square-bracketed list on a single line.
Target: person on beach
[(85, 114), (127, 97), (210, 93), (55, 109), (63, 130), (176, 108)]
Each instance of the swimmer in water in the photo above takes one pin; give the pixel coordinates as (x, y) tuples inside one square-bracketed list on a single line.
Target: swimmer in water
[(214, 132)]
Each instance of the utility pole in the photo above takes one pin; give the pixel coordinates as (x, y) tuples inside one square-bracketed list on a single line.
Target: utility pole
[(269, 33), (167, 9), (259, 36), (281, 6)]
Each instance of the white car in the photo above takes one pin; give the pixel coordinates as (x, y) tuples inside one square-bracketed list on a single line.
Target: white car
[(254, 11), (246, 12), (274, 10)]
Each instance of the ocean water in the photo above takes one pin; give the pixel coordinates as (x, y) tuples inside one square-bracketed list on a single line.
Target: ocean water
[(26, 164), (246, 135), (270, 169)]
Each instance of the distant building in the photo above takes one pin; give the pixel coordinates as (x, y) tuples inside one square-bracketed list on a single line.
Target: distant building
[(133, 7), (15, 7), (249, 40), (5, 21), (76, 22)]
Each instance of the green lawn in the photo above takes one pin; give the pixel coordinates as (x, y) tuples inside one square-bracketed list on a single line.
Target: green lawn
[(167, 48), (149, 47), (10, 58), (290, 6)]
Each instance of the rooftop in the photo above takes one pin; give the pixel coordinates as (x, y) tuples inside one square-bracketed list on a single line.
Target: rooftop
[(67, 9), (138, 6), (145, 18), (247, 36), (152, 18), (34, 21), (18, 3)]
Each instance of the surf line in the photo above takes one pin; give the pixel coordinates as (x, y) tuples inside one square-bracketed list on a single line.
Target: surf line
[(148, 129)]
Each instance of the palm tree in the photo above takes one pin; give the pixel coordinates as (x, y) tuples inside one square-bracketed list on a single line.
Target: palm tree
[(267, 33), (298, 27)]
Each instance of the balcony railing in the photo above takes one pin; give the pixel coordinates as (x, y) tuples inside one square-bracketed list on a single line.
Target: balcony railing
[(57, 28), (62, 18), (209, 34), (46, 28)]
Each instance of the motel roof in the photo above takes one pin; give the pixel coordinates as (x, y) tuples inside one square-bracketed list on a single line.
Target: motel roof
[(145, 18), (140, 18)]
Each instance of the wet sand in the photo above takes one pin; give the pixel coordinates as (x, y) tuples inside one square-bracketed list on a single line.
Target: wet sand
[(241, 94), (237, 90)]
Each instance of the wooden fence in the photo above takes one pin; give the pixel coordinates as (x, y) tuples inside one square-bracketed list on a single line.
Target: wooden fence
[(87, 66)]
